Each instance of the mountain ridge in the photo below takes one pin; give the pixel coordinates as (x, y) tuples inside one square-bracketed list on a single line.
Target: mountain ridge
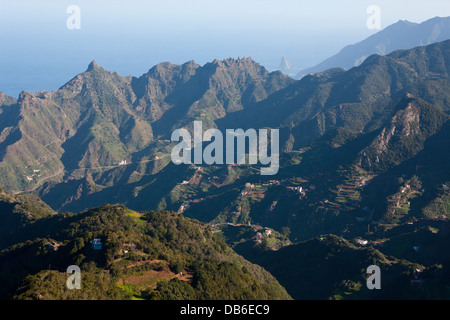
[(100, 118), (400, 35)]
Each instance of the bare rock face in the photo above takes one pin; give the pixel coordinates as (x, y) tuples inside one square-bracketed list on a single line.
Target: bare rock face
[(403, 136), (404, 123)]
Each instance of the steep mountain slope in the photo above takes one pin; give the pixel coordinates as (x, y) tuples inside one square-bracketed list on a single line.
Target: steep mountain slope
[(6, 100), (361, 99), (404, 135), (100, 119), (400, 35), (18, 211), (409, 190)]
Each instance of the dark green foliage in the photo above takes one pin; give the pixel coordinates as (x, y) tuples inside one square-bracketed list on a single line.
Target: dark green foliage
[(174, 290), (330, 267), (50, 285), (184, 245)]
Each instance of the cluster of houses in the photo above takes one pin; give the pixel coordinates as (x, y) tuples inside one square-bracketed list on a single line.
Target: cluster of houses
[(54, 246), (363, 242), (259, 236), (35, 172), (296, 189)]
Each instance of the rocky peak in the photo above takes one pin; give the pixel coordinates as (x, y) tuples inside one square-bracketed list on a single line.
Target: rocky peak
[(25, 96), (285, 64), (93, 66), (5, 99), (232, 62), (162, 67)]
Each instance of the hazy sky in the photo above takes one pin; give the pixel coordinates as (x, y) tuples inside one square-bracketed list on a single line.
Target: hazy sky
[(38, 51)]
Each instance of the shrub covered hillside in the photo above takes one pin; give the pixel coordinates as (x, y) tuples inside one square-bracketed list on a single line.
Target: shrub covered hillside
[(149, 255)]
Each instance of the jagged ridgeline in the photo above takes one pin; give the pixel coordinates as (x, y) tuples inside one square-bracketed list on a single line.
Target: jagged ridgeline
[(144, 255), (80, 134)]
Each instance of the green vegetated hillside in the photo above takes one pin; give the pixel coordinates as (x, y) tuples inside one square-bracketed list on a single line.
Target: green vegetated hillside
[(18, 211), (145, 255)]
